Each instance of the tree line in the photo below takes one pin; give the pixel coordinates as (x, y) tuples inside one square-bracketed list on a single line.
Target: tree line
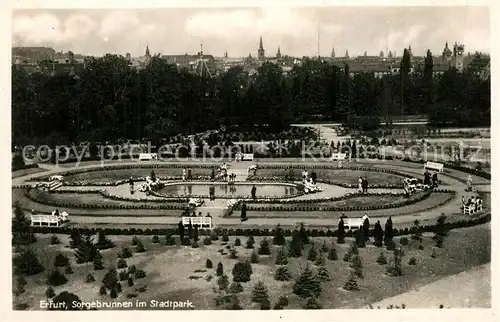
[(110, 100)]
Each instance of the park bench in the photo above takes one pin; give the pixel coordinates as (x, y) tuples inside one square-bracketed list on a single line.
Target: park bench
[(45, 220), (201, 222), (434, 166), (472, 208)]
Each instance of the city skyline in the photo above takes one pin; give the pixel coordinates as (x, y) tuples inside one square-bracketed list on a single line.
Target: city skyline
[(293, 30)]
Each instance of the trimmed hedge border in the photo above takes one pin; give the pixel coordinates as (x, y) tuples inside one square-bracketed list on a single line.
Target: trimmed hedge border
[(346, 208), (482, 219)]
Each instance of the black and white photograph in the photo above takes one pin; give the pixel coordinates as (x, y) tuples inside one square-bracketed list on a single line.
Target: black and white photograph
[(313, 157)]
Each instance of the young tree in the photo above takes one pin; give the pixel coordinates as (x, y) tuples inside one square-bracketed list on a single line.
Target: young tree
[(378, 234), (75, 239), (254, 258), (86, 250), (250, 242), (306, 285), (49, 293), (235, 288), (279, 237), (381, 259), (311, 256), (417, 231), (264, 248), (396, 268), (103, 242), (220, 269), (324, 248), (195, 234), (323, 274), (281, 257), (332, 254), (98, 261), (70, 300), (360, 238), (260, 293), (313, 304), (61, 260), (296, 246), (341, 232), (243, 211), (110, 279), (27, 263), (320, 260), (242, 272), (56, 278), (283, 274), (208, 263), (366, 229), (352, 283), (304, 236), (357, 266), (388, 237), (223, 282), (20, 228)]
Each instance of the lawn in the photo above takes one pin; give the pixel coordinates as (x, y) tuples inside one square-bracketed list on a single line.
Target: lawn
[(121, 174), (171, 270), (339, 175)]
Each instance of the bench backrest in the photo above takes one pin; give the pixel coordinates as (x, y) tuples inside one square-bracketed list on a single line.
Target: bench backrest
[(434, 166), (197, 220), (354, 222), (339, 156), (44, 218), (247, 156)]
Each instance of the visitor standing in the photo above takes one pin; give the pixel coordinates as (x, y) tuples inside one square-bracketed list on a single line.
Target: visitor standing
[(254, 192), (360, 184), (435, 180), (365, 185), (469, 183)]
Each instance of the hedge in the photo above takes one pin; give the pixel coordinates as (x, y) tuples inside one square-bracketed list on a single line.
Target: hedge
[(482, 219)]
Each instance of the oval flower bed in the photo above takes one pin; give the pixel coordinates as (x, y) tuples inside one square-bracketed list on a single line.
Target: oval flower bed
[(352, 202)]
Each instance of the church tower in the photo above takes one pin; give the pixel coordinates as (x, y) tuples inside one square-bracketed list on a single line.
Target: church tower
[(333, 52), (148, 54), (278, 54), (458, 57), (346, 54), (261, 52)]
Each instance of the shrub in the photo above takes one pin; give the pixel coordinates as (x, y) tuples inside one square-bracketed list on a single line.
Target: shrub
[(283, 274), (352, 283), (324, 248), (125, 252), (207, 241), (281, 257), (208, 263), (242, 272), (279, 237), (381, 259), (103, 242), (264, 248), (220, 269), (186, 241), (332, 254), (27, 263), (56, 278), (234, 254), (306, 285), (421, 246), (123, 275), (404, 241), (323, 274), (169, 240), (61, 260), (412, 261), (225, 237), (54, 240), (282, 301), (155, 239), (102, 290), (132, 269), (140, 247), (139, 274), (114, 292), (49, 293), (130, 281), (135, 240), (68, 270), (110, 278), (311, 256), (223, 282), (254, 258), (98, 262), (235, 288), (90, 278), (260, 293), (313, 304), (195, 245), (121, 263), (250, 242)]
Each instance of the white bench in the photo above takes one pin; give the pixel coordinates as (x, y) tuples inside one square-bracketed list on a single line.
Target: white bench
[(148, 156), (355, 222), (247, 157), (338, 156), (41, 220), (203, 222), (434, 166), (473, 207)]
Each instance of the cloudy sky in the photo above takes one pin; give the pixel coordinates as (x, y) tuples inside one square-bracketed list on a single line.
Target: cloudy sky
[(237, 30)]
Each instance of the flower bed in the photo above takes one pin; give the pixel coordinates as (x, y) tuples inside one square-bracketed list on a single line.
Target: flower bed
[(314, 205), (125, 181), (178, 205)]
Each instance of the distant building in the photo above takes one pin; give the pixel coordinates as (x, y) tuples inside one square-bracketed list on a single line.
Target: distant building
[(261, 52)]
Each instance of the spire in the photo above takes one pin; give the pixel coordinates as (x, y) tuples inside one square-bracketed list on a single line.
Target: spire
[(333, 52), (278, 55), (261, 46), (346, 53), (147, 51)]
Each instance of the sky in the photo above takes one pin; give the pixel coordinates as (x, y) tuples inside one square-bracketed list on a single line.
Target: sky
[(237, 30)]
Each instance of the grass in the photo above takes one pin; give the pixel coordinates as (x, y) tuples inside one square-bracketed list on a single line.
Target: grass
[(25, 172), (339, 175), (120, 174), (169, 270)]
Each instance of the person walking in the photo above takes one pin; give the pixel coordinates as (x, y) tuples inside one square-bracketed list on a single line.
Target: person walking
[(360, 184), (365, 185), (435, 180), (254, 192)]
